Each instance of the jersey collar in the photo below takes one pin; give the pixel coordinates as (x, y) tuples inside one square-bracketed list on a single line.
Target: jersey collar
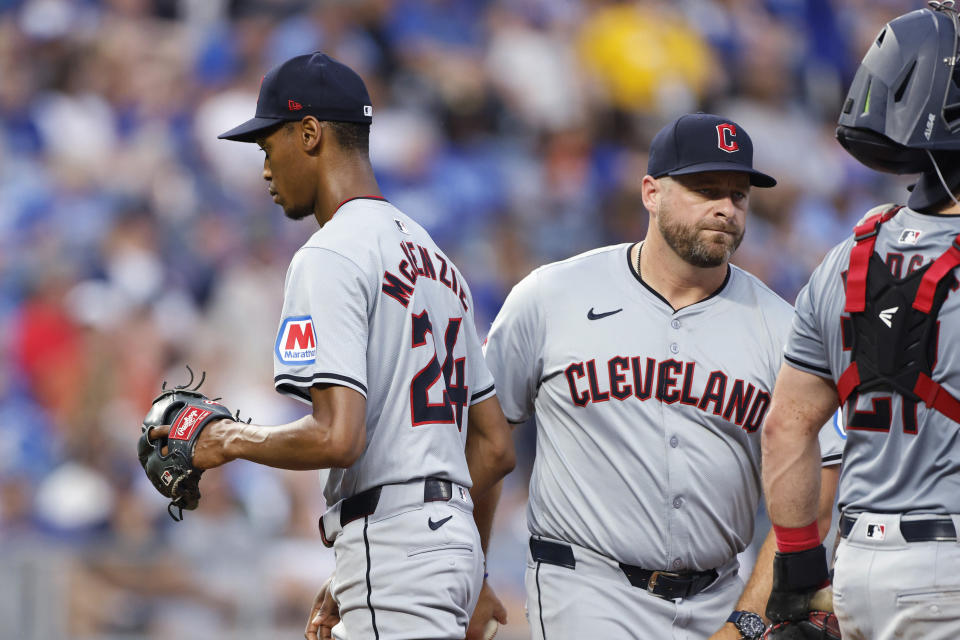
[(635, 272), (340, 206)]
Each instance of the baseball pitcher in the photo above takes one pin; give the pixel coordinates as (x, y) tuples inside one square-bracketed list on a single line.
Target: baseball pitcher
[(377, 337)]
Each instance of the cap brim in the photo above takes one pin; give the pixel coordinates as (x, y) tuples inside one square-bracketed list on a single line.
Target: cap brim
[(757, 179), (250, 130)]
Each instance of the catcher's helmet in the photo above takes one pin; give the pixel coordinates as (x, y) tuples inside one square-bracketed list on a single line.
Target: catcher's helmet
[(905, 97)]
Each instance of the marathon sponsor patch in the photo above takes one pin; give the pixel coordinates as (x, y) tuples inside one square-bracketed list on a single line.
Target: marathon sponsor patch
[(876, 531), (909, 236), (187, 423), (839, 425), (296, 341)]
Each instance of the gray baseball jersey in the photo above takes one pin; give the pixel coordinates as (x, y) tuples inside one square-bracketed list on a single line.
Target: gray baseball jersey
[(887, 468), (372, 304), (648, 419)]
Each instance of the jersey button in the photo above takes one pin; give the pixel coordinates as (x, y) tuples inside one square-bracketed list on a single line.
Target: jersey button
[(675, 324), (674, 348), (674, 442), (676, 563), (677, 502)]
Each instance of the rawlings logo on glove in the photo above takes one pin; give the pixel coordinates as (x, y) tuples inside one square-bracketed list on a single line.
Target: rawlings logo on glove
[(172, 473)]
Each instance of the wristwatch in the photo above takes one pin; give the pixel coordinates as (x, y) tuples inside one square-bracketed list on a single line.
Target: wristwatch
[(749, 624)]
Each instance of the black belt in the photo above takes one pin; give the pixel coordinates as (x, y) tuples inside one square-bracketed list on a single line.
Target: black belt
[(668, 585), (365, 503), (927, 530)]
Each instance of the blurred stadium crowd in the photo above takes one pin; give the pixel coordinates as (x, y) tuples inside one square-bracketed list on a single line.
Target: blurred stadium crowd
[(132, 242)]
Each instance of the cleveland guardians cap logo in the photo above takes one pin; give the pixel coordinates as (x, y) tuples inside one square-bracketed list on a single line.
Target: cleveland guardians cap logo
[(726, 133), (702, 142)]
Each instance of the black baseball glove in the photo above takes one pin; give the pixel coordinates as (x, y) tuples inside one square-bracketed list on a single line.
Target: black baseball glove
[(818, 625), (796, 605), (187, 411)]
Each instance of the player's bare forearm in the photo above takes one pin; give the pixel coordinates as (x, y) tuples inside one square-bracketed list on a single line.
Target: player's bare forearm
[(489, 449), (755, 594), (484, 506), (802, 402), (334, 435), (490, 456)]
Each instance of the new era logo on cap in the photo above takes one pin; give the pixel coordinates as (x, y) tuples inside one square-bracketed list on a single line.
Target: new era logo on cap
[(293, 105)]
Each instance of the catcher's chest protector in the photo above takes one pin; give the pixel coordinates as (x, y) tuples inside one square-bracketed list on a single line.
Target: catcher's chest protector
[(893, 325)]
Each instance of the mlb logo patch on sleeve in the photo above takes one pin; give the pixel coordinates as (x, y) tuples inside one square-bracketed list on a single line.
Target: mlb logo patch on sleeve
[(296, 341)]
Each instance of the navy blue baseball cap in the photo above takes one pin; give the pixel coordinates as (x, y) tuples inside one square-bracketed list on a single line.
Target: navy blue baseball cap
[(698, 142), (310, 85)]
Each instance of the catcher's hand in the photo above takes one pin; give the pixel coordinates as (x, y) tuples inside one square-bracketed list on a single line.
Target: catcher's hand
[(798, 607), (166, 455), (797, 576), (819, 625)]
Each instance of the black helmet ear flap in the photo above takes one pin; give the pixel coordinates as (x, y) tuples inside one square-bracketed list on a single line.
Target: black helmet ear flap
[(880, 152)]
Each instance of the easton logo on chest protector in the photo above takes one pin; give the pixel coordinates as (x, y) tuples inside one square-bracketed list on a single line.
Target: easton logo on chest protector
[(886, 316), (296, 341), (893, 331)]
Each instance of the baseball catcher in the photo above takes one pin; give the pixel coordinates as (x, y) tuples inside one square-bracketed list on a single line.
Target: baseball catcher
[(168, 459), (875, 333)]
